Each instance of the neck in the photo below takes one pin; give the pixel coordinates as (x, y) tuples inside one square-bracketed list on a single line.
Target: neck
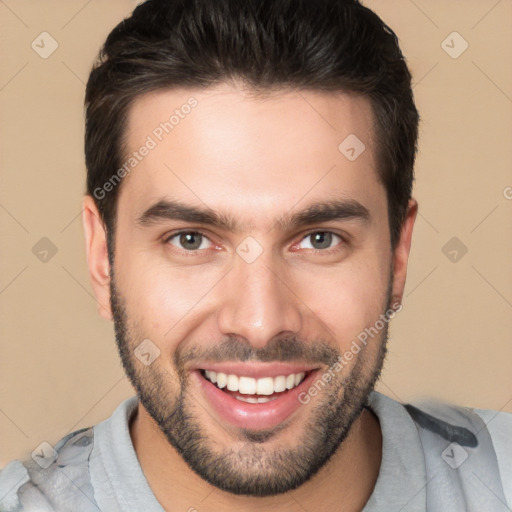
[(344, 484)]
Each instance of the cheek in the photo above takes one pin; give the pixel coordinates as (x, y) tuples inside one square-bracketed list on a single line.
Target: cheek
[(160, 298), (346, 299)]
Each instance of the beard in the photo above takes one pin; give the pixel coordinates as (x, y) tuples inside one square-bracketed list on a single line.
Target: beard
[(255, 469)]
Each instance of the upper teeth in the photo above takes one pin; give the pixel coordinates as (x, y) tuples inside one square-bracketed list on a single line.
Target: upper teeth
[(250, 386)]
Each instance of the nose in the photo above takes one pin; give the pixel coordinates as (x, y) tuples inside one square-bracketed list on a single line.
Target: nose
[(258, 303)]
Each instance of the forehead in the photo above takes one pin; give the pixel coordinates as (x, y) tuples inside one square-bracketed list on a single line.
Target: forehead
[(227, 149)]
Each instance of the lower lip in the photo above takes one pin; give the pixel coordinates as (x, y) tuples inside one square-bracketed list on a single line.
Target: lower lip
[(253, 416)]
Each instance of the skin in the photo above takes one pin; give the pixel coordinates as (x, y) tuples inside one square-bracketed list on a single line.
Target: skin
[(257, 159)]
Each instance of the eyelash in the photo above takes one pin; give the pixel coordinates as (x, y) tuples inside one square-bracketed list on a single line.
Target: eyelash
[(196, 251)]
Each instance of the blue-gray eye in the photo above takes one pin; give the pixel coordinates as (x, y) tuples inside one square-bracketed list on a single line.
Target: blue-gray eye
[(320, 240), (189, 241)]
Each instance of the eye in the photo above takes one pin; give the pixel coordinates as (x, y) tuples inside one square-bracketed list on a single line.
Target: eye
[(319, 240), (189, 241)]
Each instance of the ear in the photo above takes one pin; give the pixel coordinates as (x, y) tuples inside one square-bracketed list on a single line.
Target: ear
[(97, 255), (401, 252)]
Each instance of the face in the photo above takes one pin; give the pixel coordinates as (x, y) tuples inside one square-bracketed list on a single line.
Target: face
[(250, 256)]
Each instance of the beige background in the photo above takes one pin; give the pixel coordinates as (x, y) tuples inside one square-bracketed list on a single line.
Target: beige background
[(59, 366)]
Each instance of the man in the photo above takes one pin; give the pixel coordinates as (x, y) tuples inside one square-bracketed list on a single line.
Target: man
[(248, 221)]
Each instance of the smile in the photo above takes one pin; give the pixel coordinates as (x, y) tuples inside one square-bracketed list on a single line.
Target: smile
[(253, 396)]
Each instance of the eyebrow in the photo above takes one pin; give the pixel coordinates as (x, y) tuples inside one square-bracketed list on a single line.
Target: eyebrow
[(165, 209)]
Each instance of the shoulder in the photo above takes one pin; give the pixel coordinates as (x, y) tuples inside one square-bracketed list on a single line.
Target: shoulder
[(51, 478), (471, 441), (466, 452)]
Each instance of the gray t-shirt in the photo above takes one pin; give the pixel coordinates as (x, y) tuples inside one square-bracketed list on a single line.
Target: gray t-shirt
[(97, 469)]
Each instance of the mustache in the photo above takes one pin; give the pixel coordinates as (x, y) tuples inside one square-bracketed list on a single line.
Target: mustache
[(282, 349)]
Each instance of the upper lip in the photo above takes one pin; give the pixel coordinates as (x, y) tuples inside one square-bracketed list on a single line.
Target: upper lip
[(254, 369)]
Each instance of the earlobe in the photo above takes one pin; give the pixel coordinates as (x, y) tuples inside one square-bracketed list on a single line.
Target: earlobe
[(97, 255), (401, 252)]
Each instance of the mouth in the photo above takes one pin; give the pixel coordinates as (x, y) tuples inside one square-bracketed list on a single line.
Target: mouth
[(253, 396)]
